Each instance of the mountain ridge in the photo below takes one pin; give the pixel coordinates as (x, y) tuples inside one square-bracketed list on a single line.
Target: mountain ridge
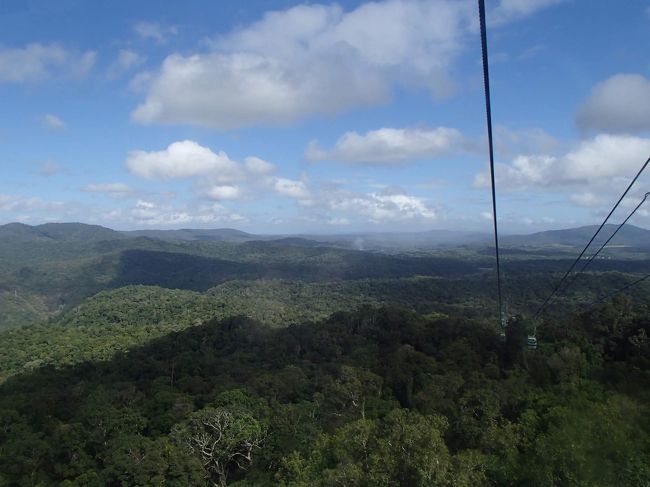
[(629, 235)]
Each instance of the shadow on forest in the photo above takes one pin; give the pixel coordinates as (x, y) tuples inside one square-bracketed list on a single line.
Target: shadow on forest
[(197, 273)]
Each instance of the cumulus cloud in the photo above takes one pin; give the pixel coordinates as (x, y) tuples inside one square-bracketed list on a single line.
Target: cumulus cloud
[(390, 146), (30, 204), (331, 203), (52, 122), (149, 213), (617, 105), (217, 176), (258, 166), (153, 31), (224, 192), (115, 190), (126, 60), (180, 160), (292, 188), (597, 162), (310, 59), (381, 207), (36, 61), (316, 59)]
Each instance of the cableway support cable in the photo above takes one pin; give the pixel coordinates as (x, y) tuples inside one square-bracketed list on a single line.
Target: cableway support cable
[(568, 272), (488, 113)]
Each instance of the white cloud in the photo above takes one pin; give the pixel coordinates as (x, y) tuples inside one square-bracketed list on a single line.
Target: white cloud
[(224, 192), (390, 205), (249, 180), (310, 59), (126, 60), (81, 67), (382, 208), (180, 160), (148, 213), (587, 199), (527, 221), (601, 162), (618, 104), (292, 188), (52, 122), (316, 59), (115, 190), (510, 10), (217, 176), (390, 146), (36, 61), (12, 203), (153, 31), (258, 166), (332, 204)]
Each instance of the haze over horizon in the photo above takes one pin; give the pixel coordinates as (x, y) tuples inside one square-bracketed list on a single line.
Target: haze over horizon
[(331, 232), (283, 118)]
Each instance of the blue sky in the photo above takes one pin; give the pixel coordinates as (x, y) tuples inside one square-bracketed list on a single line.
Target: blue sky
[(277, 116)]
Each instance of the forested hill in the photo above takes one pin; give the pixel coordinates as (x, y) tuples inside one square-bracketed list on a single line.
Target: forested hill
[(130, 359), (188, 234), (373, 397), (629, 235), (22, 233), (48, 269)]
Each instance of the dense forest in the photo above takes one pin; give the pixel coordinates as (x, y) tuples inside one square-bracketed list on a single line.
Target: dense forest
[(379, 396), (49, 269), (167, 359)]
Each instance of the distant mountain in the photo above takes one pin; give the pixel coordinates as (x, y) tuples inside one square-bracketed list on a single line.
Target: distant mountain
[(45, 269), (188, 234), (57, 232), (401, 240), (62, 233), (629, 236), (298, 242)]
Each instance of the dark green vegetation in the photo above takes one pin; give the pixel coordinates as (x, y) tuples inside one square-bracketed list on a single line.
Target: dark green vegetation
[(51, 268), (375, 397), (214, 357)]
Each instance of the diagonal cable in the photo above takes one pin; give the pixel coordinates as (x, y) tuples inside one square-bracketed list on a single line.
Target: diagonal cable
[(557, 287), (602, 247), (618, 291), (488, 113)]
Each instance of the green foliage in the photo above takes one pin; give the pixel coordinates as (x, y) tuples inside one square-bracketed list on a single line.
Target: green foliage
[(223, 439), (52, 268), (179, 383), (403, 448), (366, 398)]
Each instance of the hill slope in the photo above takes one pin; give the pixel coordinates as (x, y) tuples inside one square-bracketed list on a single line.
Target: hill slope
[(629, 235)]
